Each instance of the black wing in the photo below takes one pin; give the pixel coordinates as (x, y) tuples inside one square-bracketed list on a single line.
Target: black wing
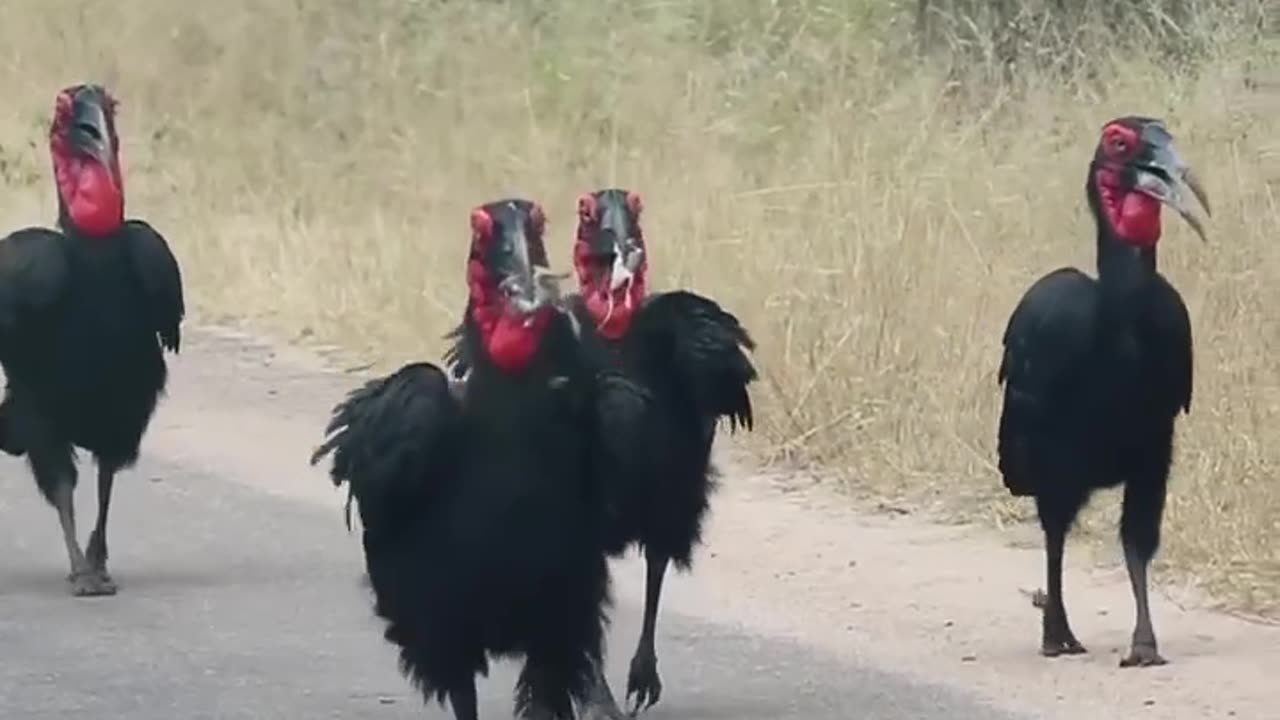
[(1050, 330), (1046, 341), (391, 440), (621, 409), (1169, 335), (161, 281), (33, 278), (621, 458), (701, 345)]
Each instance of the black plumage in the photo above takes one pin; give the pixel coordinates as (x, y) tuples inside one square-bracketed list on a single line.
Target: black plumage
[(482, 511), (85, 315), (688, 353), (1096, 372)]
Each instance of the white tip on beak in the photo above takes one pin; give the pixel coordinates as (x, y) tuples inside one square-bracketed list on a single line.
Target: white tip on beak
[(620, 275)]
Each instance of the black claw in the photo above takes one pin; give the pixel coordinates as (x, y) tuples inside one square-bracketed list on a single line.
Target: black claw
[(1068, 647), (1143, 656), (643, 683), (91, 583), (1061, 642), (1057, 638)]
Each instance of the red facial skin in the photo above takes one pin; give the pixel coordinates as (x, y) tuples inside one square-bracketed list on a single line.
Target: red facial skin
[(92, 193), (1133, 215), (594, 278), (511, 340)]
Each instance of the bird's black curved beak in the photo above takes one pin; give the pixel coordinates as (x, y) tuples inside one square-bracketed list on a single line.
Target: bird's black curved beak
[(616, 228), (90, 131), (528, 284), (1162, 174)]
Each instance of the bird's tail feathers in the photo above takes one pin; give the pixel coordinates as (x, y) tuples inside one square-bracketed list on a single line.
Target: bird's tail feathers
[(1014, 443)]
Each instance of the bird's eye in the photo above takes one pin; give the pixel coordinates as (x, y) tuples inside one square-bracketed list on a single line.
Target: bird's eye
[(1121, 146)]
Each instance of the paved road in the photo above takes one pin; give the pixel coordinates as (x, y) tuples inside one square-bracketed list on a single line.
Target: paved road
[(237, 603)]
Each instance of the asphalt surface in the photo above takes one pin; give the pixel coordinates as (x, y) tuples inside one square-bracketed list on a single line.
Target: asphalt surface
[(236, 603)]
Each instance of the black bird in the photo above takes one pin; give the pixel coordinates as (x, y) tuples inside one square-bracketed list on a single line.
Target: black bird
[(687, 352), (1097, 371), (85, 315), (482, 511)]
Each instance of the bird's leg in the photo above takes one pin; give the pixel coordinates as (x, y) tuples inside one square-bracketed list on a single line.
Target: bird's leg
[(1057, 638), (643, 681), (542, 688), (84, 579), (462, 699), (600, 703), (64, 502), (97, 550), (1140, 535)]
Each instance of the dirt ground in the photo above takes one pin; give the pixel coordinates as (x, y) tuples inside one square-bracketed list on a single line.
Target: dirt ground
[(788, 557)]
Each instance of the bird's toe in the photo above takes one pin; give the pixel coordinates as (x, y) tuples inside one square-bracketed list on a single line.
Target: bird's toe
[(92, 583), (644, 686), (1143, 656), (1054, 647)]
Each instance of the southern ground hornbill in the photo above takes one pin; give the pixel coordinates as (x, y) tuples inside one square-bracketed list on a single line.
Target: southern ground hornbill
[(85, 315), (687, 353), (1096, 372), (482, 511)]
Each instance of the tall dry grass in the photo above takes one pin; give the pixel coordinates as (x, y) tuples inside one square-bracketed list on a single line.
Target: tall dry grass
[(872, 216)]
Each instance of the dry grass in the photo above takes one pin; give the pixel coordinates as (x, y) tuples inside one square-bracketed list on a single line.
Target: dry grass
[(314, 167)]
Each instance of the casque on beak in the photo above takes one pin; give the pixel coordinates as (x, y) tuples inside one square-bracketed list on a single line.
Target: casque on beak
[(528, 287), (616, 227), (1163, 175), (89, 131)]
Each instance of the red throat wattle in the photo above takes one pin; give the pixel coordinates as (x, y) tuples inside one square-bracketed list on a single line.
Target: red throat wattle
[(612, 311), (1133, 215), (91, 192), (509, 340)]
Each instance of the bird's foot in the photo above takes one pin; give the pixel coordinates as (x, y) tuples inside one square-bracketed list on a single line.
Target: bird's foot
[(91, 583), (1142, 655), (1062, 642), (1056, 637), (643, 682)]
